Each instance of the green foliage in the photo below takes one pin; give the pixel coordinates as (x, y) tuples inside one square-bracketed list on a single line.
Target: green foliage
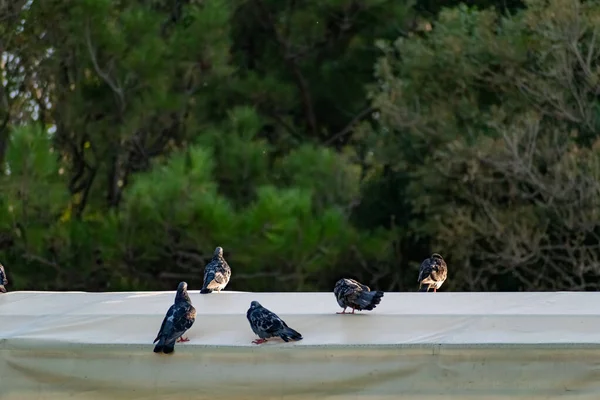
[(330, 176), (33, 189), (180, 200), (312, 140), (495, 110), (242, 157)]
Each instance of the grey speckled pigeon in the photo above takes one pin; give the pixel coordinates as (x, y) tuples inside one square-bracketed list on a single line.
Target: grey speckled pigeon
[(353, 294), (216, 274), (432, 273), (3, 279), (266, 324), (179, 319)]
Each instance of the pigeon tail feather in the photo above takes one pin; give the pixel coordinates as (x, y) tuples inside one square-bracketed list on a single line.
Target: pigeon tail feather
[(163, 347), (288, 333), (209, 278), (159, 346), (369, 300), (168, 348)]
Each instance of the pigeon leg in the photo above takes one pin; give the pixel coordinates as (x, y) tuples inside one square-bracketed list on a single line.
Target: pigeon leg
[(434, 290), (352, 311), (343, 312), (259, 341), (183, 339)]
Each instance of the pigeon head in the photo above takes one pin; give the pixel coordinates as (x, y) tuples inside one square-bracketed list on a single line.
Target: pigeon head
[(255, 304), (182, 294), (436, 255), (218, 252)]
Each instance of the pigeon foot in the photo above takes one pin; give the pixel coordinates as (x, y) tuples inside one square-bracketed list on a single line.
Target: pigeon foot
[(259, 341), (183, 339)]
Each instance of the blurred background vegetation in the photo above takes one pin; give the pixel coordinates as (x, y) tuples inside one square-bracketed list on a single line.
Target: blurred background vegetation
[(311, 139)]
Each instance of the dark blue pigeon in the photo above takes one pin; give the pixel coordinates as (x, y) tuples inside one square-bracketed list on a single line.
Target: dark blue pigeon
[(179, 319), (266, 324), (353, 294), (432, 273), (3, 280), (216, 273)]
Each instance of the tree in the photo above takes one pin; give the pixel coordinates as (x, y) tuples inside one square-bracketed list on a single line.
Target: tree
[(503, 156), (135, 137), (121, 91)]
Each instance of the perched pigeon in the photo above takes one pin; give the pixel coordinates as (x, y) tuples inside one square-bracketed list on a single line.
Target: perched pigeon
[(432, 273), (179, 318), (216, 273), (267, 324), (353, 294), (3, 280)]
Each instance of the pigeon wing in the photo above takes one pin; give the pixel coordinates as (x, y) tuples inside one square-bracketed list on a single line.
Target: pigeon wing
[(3, 280), (348, 292), (209, 271), (342, 290), (425, 270), (167, 323), (360, 285), (441, 271), (183, 318), (267, 322), (222, 272)]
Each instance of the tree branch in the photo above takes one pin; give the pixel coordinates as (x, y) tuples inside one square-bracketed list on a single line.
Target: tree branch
[(116, 88), (350, 126)]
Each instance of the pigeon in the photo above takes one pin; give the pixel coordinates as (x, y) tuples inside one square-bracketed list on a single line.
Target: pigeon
[(432, 273), (353, 294), (179, 319), (3, 280), (216, 273), (266, 324)]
